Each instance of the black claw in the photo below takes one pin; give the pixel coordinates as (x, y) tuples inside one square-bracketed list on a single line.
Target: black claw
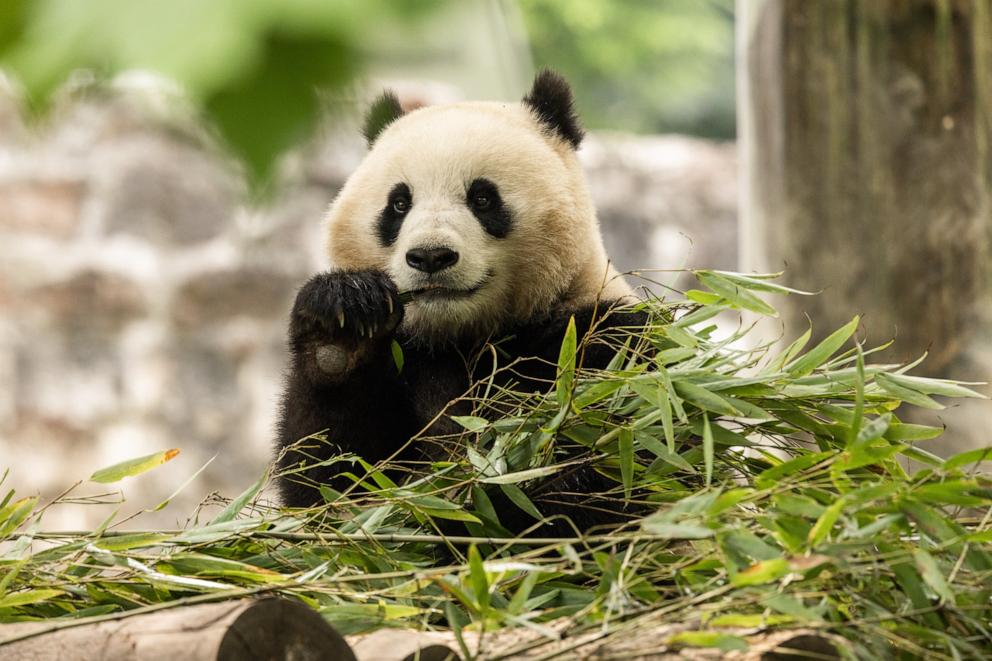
[(362, 305)]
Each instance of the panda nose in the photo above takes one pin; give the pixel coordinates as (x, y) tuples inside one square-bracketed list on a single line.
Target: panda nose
[(431, 260)]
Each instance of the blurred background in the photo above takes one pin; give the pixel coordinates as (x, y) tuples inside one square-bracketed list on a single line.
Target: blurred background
[(164, 168)]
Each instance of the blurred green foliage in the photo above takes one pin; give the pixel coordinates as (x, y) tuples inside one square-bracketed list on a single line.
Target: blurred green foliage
[(253, 65), (649, 66)]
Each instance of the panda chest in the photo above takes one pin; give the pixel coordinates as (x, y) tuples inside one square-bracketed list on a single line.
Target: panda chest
[(433, 382)]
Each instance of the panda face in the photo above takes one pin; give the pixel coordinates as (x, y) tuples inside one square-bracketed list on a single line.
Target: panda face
[(479, 211)]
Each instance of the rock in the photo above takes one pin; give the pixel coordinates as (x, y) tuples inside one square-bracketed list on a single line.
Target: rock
[(217, 295), (664, 202), (99, 300), (47, 207), (166, 192)]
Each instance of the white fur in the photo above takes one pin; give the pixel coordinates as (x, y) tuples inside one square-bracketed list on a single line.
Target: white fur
[(553, 256)]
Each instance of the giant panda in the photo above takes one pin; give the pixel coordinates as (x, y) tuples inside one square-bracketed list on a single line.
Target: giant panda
[(482, 212)]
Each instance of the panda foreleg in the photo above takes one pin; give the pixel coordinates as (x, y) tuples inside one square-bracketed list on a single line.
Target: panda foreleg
[(342, 380)]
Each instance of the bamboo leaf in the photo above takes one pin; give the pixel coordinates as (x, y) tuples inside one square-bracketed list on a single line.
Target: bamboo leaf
[(479, 581), (825, 523), (927, 566), (520, 499), (704, 399), (235, 506), (397, 351), (822, 351), (566, 364), (133, 467), (908, 395), (14, 514), (25, 597), (708, 449), (733, 293), (626, 456), (724, 642)]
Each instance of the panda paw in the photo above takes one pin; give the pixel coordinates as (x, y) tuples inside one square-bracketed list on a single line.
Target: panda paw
[(346, 309)]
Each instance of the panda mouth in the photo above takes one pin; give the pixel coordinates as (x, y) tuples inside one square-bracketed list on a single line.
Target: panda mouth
[(440, 292), (436, 291)]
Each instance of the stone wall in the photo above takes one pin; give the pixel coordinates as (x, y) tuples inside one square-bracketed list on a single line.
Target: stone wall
[(144, 299)]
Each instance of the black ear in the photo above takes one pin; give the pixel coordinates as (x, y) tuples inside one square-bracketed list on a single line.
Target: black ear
[(550, 98), (384, 111)]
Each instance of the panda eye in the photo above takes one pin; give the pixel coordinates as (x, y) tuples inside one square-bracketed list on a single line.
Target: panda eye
[(481, 202), (401, 205)]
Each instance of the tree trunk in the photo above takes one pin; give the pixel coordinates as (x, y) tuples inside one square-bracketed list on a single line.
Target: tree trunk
[(866, 131), (226, 631)]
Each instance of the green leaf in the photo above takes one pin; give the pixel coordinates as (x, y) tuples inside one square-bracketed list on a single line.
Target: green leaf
[(968, 458), (626, 456), (566, 364), (681, 337), (821, 352), (798, 505), (667, 423), (26, 597), (470, 422), (749, 545), (708, 449), (143, 540), (520, 499), (772, 476), (239, 503), (953, 492), (655, 447), (909, 581), (932, 575), (519, 600), (739, 297), (477, 576), (940, 529), (902, 431), (762, 572), (703, 297), (675, 355), (133, 467), (854, 429), (595, 392), (789, 605), (825, 523), (397, 352), (724, 642), (749, 620), (761, 283), (929, 386), (914, 397), (669, 530), (14, 514), (790, 352), (704, 399), (520, 476)]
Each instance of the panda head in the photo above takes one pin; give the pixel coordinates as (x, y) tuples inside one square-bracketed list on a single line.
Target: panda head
[(481, 209)]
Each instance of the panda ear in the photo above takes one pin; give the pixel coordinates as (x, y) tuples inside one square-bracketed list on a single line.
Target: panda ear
[(384, 111), (550, 98)]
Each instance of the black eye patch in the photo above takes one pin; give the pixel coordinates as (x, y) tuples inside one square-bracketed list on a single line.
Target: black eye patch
[(391, 217), (483, 199)]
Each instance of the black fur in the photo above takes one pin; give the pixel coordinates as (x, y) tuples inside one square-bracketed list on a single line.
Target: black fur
[(384, 111), (486, 204), (391, 217), (375, 409), (550, 98)]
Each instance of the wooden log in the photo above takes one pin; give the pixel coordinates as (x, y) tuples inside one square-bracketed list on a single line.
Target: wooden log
[(866, 137), (227, 631), (405, 645)]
